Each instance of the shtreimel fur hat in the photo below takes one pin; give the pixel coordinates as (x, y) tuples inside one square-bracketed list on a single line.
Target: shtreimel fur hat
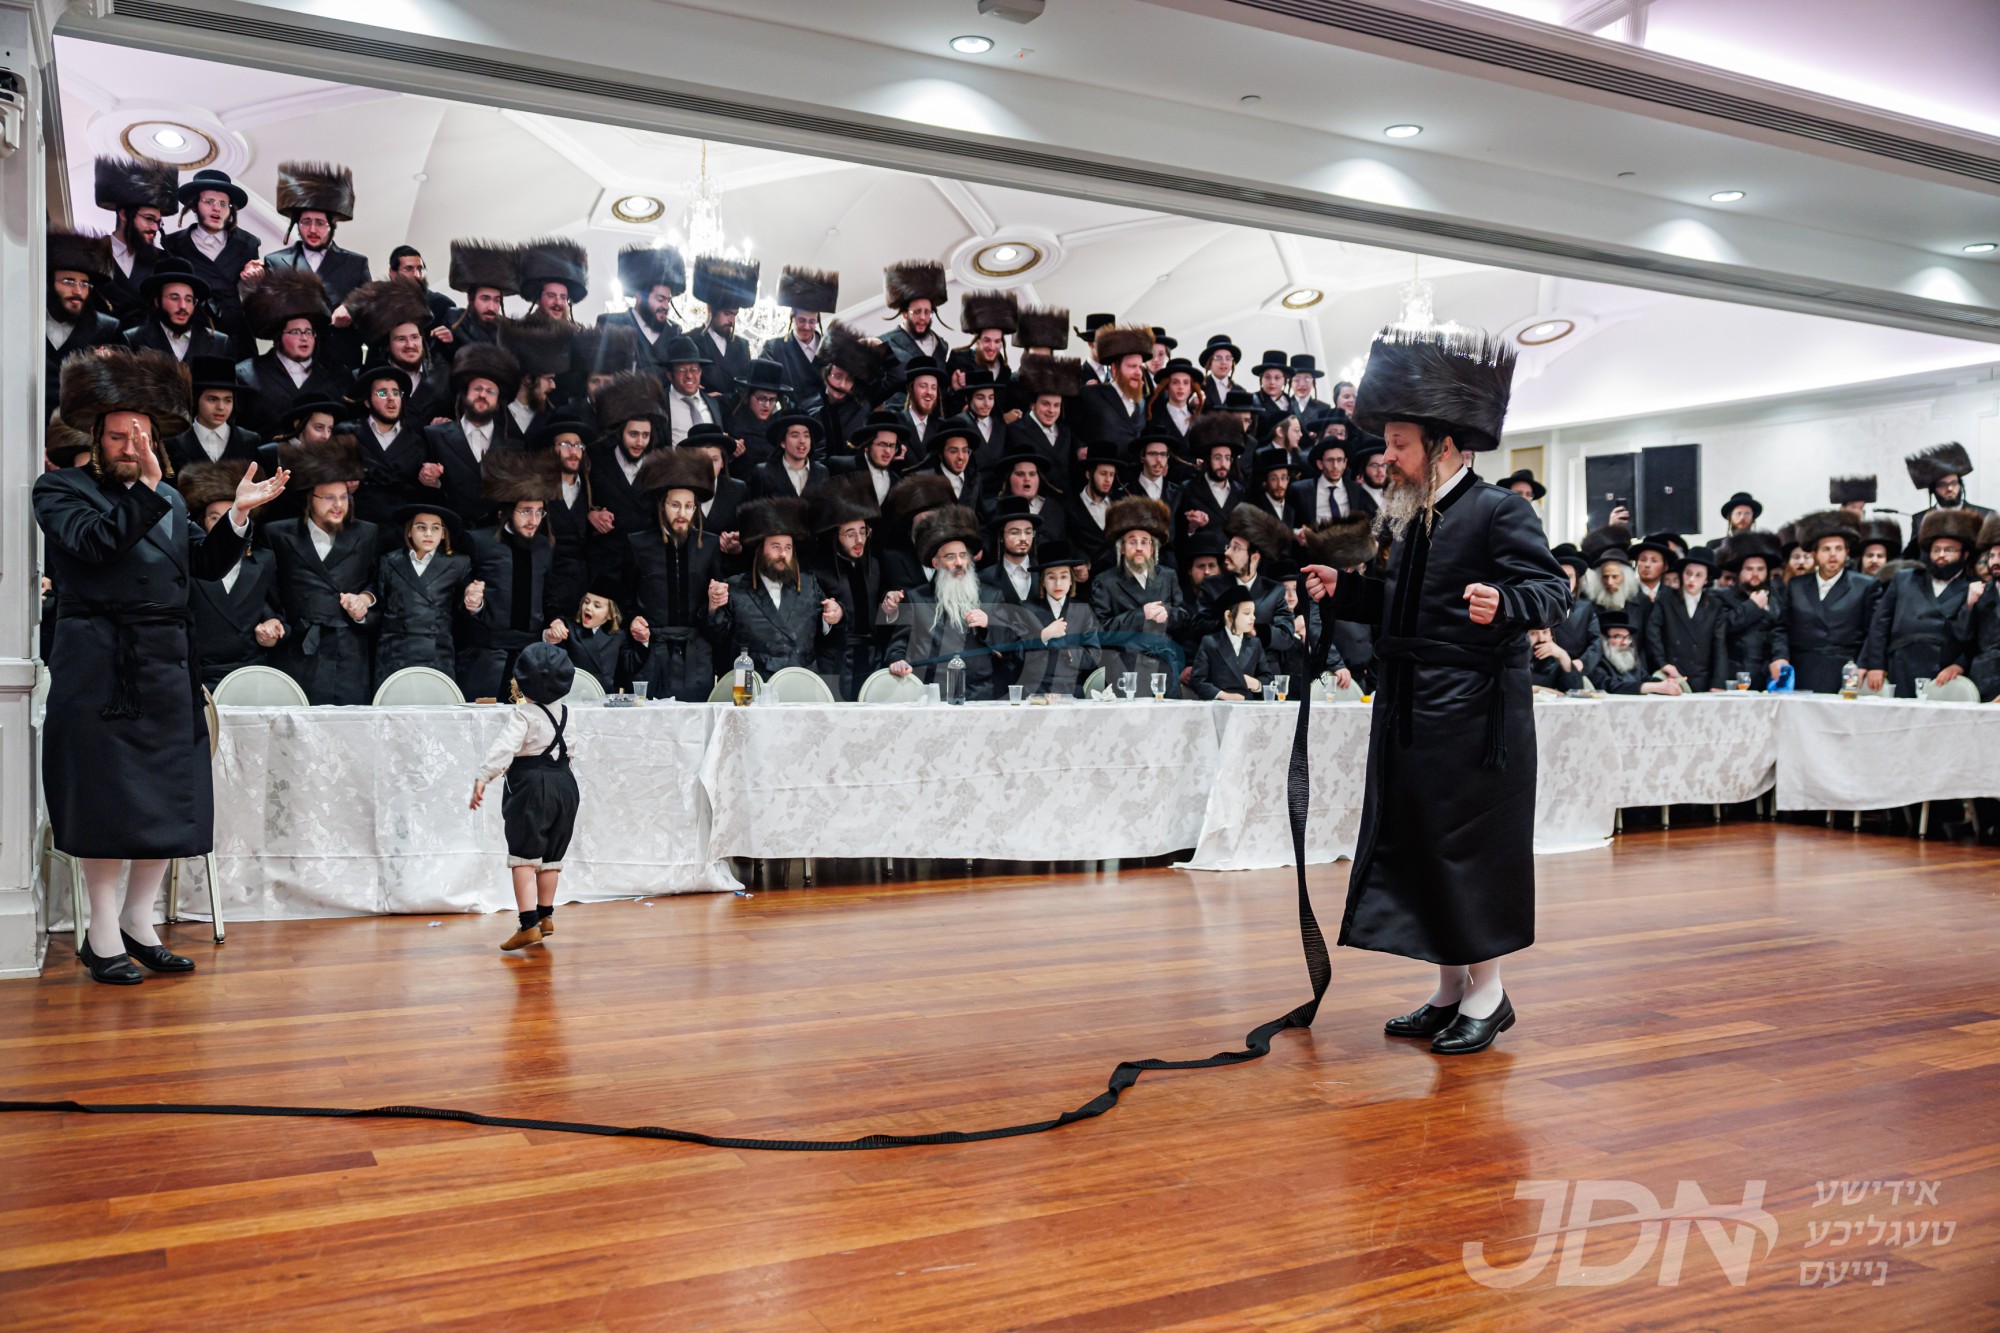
[(912, 280), (941, 527), (644, 267), (1850, 490), (511, 476), (315, 187), (1115, 342), (102, 381), (282, 295), (1343, 543), (665, 470), (1459, 381), (1042, 326), (863, 358), (1139, 513), (1960, 525), (1263, 531), (1812, 529), (379, 308), (726, 284), (809, 289), (476, 264), (1936, 463), (124, 184)]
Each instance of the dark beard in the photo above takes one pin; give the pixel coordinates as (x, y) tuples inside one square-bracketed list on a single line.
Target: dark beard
[(475, 417), (644, 310), (61, 315), (1947, 571), (380, 420), (776, 571), (535, 397)]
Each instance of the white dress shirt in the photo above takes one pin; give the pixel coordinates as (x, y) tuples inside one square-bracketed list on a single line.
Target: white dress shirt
[(322, 540), (1098, 507), (882, 481), (1826, 585), (314, 258), (523, 415), (59, 332), (208, 242), (212, 442), (685, 411), (1018, 575), (477, 438), (121, 254), (300, 371), (420, 563), (1153, 488)]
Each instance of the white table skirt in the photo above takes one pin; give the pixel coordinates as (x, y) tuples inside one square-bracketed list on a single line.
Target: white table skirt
[(1247, 825), (1062, 782), (353, 811), (1871, 754), (1703, 749)]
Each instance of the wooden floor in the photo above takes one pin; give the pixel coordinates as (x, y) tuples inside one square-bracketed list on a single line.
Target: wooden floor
[(1752, 1003)]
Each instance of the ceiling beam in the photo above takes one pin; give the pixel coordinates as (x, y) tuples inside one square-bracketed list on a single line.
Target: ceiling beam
[(966, 205)]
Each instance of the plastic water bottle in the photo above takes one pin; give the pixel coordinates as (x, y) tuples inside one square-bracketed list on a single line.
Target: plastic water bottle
[(745, 670), (1850, 681), (954, 680)]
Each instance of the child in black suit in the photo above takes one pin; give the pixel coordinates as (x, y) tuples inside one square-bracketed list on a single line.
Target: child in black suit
[(1230, 663)]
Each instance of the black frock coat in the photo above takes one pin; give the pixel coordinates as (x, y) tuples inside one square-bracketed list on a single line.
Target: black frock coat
[(1697, 646), (1980, 624), (185, 448), (265, 393), (1444, 869), (1914, 635), (417, 613), (226, 619), (1819, 636), (1217, 667), (122, 558), (326, 652), (1747, 633), (782, 636), (670, 586), (222, 275)]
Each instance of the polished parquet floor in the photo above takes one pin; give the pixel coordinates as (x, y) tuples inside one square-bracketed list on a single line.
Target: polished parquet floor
[(1753, 1003)]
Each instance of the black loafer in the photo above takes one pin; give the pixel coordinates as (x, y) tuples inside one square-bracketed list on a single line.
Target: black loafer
[(156, 956), (1426, 1020), (1467, 1035), (116, 971)]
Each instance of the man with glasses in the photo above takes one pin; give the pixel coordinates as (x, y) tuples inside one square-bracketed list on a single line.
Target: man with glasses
[(392, 449), (76, 321), (1156, 455)]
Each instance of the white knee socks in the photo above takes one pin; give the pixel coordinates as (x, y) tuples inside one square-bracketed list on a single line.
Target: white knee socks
[(118, 903), (1483, 993), (1451, 987)]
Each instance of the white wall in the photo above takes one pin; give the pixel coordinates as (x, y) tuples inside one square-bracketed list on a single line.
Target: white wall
[(1783, 450)]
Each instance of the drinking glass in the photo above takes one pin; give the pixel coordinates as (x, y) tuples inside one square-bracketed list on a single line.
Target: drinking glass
[(933, 693), (639, 688), (1742, 680), (1159, 685), (1128, 684), (1284, 684), (1923, 687), (1014, 695), (1270, 690)]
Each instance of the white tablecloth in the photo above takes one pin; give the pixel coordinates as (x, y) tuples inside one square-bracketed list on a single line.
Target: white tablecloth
[(1063, 782), (1871, 754), (1247, 825), (1702, 749), (352, 811)]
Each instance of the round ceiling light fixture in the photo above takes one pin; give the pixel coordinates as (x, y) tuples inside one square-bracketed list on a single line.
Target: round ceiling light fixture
[(972, 45), (1726, 197), (1302, 298), (1403, 131), (637, 208), (1982, 247), (1545, 331), (170, 138), (1005, 259), (170, 143)]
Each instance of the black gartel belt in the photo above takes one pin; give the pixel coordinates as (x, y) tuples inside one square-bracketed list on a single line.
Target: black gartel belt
[(1319, 970), (1404, 654), (126, 622)]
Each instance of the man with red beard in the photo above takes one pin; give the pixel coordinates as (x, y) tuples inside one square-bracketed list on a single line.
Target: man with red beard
[(777, 612), (1114, 412), (1138, 603), (951, 615), (675, 573)]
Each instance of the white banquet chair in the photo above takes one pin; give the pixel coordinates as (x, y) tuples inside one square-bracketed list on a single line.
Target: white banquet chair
[(585, 689), (796, 685), (1958, 690), (884, 687), (418, 685), (259, 687)]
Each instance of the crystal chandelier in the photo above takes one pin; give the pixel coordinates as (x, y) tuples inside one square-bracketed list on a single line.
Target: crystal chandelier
[(1417, 314), (701, 233)]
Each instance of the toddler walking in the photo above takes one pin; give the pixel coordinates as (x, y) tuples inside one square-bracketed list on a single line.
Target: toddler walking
[(539, 801)]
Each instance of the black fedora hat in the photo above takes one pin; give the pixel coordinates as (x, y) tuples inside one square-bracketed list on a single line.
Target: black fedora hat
[(1527, 475), (562, 421), (683, 350), (1219, 343), (1099, 452), (1092, 323), (879, 421), (1010, 507), (208, 178), (1305, 363), (1274, 359), (380, 370), (1742, 498), (916, 368), (212, 372), (295, 415), (172, 268), (1026, 453), (953, 428), (765, 377), (775, 428), (1161, 337), (1268, 460), (1055, 553), (1237, 400), (453, 525), (706, 433), (1567, 554)]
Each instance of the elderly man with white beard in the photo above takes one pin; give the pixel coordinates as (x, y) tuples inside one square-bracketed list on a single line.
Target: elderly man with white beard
[(953, 615), (1619, 668), (1137, 603)]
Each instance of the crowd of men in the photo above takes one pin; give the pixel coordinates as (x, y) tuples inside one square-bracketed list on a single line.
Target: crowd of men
[(663, 499)]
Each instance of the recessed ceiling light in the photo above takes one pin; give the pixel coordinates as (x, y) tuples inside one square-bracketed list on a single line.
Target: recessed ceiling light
[(1005, 259), (421, 177), (972, 45), (170, 139), (637, 208), (1545, 332), (1725, 196), (1982, 247), (1301, 298), (1007, 254), (1404, 131)]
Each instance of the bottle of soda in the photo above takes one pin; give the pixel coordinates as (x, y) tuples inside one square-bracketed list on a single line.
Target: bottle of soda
[(745, 671)]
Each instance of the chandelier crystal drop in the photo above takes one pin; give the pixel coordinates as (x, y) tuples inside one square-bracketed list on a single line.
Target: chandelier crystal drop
[(702, 234)]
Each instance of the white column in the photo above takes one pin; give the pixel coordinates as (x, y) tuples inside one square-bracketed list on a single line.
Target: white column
[(24, 49)]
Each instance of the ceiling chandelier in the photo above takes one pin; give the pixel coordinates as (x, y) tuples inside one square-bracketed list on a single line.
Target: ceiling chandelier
[(1417, 314), (701, 233)]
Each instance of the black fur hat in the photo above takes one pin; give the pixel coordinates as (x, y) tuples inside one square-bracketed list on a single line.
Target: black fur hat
[(809, 289), (202, 484), (103, 380), (552, 259), (1042, 326), (538, 343), (990, 310), (914, 495), (941, 527), (632, 394), (1850, 490), (63, 442), (844, 500), (863, 358), (510, 476), (726, 284), (483, 361), (1884, 531), (1989, 532), (1039, 375), (644, 267), (1139, 513), (379, 308), (912, 280), (665, 470), (1115, 342), (772, 516), (1960, 525), (282, 295), (476, 264), (604, 350), (80, 252), (1603, 539), (124, 184), (1460, 381), (1343, 543), (1936, 463), (1263, 531), (1812, 529), (1211, 429), (315, 187), (316, 465), (1748, 545)]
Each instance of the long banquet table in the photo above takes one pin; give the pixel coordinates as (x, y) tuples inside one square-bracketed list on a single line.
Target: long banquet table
[(353, 811)]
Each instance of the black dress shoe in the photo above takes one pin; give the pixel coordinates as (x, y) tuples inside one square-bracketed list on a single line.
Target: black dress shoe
[(115, 971), (1426, 1020), (156, 956), (1467, 1035)]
